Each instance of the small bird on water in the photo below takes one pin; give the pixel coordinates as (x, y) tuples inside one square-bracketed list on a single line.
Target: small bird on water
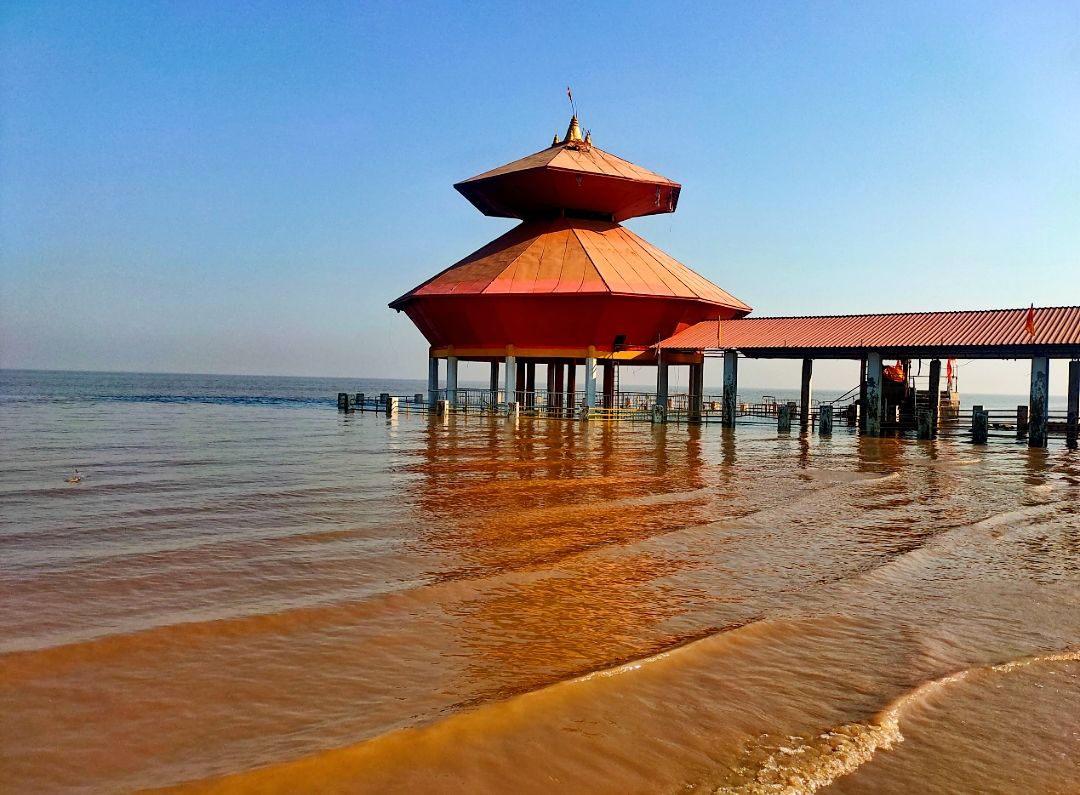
[(75, 478)]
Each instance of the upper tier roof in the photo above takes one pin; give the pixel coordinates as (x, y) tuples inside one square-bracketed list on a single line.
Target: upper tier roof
[(571, 175), (562, 255)]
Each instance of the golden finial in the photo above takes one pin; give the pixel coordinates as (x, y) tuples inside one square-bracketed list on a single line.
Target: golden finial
[(555, 141), (573, 132), (588, 138)]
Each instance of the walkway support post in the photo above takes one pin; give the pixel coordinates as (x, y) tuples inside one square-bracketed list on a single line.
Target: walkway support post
[(825, 419), (662, 374), (1021, 421), (935, 396), (590, 379), (493, 385), (509, 368), (451, 379), (924, 420), (697, 383), (1038, 401), (1073, 406), (571, 387), (872, 405), (432, 381), (731, 387), (805, 394)]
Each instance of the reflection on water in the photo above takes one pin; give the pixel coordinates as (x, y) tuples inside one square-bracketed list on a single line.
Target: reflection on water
[(257, 598)]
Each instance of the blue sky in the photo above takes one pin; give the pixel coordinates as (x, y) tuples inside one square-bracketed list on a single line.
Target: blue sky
[(242, 187)]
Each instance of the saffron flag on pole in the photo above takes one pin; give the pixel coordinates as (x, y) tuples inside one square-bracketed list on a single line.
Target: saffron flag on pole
[(1029, 324)]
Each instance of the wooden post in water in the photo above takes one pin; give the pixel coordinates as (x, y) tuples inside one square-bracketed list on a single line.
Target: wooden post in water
[(980, 425), (343, 401), (1072, 417), (731, 387), (872, 405), (783, 418), (1038, 401), (805, 394), (359, 401), (935, 395), (825, 417), (925, 422)]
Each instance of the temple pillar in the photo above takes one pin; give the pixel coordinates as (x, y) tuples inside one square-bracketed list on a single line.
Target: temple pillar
[(530, 384), (509, 368), (451, 380), (590, 381), (493, 385), (1073, 405), (662, 374), (432, 381), (609, 383), (935, 395), (697, 387), (571, 387)]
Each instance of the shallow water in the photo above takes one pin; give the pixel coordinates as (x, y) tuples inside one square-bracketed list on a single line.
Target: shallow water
[(251, 592)]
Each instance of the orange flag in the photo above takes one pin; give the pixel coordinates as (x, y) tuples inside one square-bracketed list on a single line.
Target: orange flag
[(1029, 324)]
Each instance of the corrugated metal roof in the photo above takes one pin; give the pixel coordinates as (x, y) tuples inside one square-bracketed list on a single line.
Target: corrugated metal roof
[(565, 255), (1057, 326)]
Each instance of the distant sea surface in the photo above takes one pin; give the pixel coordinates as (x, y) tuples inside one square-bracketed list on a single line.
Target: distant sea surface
[(250, 592)]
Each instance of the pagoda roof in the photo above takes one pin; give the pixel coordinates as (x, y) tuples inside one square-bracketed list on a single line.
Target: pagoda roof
[(571, 175), (568, 255)]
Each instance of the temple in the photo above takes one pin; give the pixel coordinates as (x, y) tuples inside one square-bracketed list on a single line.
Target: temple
[(569, 285)]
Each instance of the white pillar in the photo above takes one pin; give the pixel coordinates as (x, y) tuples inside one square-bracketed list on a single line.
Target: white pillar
[(451, 380), (662, 389), (432, 381), (510, 379), (731, 387), (873, 393), (590, 381)]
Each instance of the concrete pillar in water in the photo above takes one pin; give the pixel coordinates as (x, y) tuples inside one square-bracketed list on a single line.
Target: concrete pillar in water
[(343, 401), (825, 419), (432, 381), (360, 401), (660, 411), (1072, 416), (530, 384), (519, 383), (980, 425), (783, 418), (862, 394), (560, 385), (1038, 401), (935, 395), (925, 421), (493, 385), (609, 383), (571, 387), (590, 381), (391, 406), (697, 387), (1021, 421), (451, 379), (731, 387), (872, 407), (509, 373), (442, 407), (805, 394)]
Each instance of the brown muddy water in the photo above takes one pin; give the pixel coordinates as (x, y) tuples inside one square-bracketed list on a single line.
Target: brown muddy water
[(242, 597)]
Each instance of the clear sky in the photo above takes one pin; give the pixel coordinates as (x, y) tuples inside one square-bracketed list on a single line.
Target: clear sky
[(242, 187)]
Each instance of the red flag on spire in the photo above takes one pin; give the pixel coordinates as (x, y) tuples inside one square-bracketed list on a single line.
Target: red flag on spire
[(1029, 324)]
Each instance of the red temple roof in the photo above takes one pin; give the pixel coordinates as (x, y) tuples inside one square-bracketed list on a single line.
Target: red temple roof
[(572, 256), (571, 175)]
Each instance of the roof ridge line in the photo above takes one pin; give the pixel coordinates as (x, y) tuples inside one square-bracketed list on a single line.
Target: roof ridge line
[(902, 314)]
